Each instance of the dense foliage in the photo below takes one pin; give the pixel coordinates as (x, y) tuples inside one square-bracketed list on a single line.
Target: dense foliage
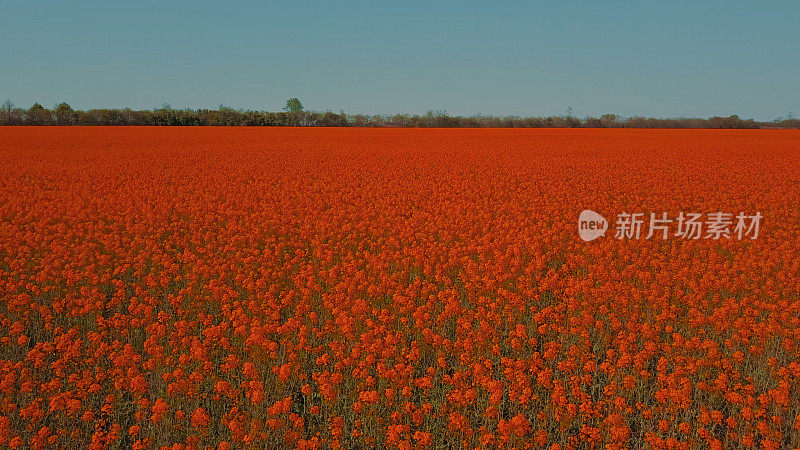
[(293, 115)]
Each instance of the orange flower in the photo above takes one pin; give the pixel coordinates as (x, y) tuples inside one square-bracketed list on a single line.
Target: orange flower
[(363, 276), (200, 418)]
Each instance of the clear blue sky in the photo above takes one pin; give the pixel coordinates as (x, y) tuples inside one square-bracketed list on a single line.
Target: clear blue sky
[(653, 58)]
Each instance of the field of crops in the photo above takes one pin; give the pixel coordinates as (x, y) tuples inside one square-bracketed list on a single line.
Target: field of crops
[(410, 288)]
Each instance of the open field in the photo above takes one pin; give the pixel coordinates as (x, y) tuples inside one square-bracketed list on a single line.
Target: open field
[(363, 288)]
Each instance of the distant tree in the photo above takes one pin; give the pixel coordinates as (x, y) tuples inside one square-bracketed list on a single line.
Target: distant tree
[(789, 123), (572, 122), (294, 115), (609, 120), (330, 119), (593, 122), (8, 112), (64, 115), (229, 116), (37, 115), (730, 122), (359, 120), (165, 116), (293, 105)]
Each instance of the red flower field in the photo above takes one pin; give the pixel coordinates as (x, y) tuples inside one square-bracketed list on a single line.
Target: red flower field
[(410, 288)]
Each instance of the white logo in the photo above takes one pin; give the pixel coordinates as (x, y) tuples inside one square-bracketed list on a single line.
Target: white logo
[(591, 225)]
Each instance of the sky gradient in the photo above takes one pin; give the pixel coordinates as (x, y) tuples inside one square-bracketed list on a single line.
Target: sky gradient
[(650, 58)]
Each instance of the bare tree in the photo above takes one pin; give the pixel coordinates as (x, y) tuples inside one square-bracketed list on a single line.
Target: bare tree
[(8, 112)]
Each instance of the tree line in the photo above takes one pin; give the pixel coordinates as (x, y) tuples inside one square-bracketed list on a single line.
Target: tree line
[(295, 115)]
